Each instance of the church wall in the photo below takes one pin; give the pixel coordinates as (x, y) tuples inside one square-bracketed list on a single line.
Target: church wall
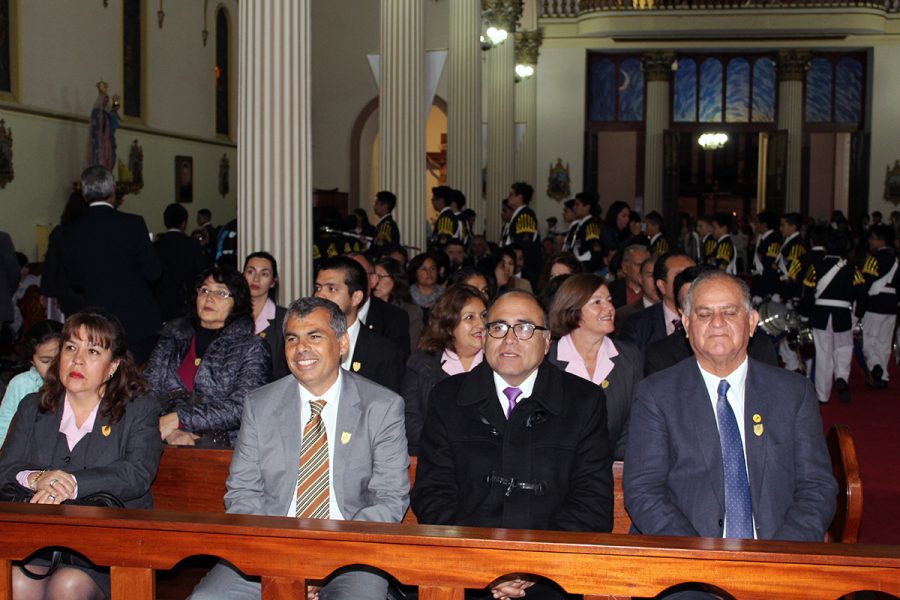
[(64, 49), (560, 127), (885, 144)]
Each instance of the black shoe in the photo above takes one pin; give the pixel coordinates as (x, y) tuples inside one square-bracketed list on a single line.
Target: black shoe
[(843, 390), (877, 382)]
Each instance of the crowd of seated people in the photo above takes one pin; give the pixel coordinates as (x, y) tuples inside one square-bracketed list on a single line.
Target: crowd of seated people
[(516, 392)]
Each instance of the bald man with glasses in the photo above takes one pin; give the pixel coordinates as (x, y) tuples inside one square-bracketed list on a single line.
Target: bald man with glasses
[(516, 443)]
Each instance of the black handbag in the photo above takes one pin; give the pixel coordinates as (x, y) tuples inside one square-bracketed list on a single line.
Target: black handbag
[(13, 492)]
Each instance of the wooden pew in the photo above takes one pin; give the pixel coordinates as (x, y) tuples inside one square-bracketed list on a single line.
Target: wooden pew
[(441, 561)]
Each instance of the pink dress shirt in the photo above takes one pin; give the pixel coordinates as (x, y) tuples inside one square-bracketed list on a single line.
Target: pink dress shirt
[(451, 364), (262, 321), (566, 351)]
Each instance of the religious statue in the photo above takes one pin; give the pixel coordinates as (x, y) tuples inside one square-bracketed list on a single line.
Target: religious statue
[(104, 122)]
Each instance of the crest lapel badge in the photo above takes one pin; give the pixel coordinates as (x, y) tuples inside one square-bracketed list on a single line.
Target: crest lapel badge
[(356, 366), (105, 430), (758, 429), (345, 437)]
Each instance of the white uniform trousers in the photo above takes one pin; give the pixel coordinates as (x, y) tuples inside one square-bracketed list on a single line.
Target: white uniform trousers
[(878, 335), (834, 351), (789, 356)]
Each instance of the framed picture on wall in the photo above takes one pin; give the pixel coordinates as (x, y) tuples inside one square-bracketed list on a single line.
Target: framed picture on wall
[(184, 179)]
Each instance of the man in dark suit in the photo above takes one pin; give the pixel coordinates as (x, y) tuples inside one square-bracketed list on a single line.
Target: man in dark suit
[(672, 349), (387, 234), (649, 297), (353, 432), (343, 281), (516, 442), (109, 261), (721, 445), (446, 227), (380, 317), (523, 230), (181, 260), (662, 319), (626, 290)]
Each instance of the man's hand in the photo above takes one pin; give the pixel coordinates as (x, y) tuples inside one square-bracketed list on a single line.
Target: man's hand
[(312, 592), (511, 586)]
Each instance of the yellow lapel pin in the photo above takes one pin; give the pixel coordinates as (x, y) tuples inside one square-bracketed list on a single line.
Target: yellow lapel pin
[(604, 384), (356, 366), (105, 430), (757, 418), (758, 429), (345, 437)]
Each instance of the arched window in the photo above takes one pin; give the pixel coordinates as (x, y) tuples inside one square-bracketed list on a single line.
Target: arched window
[(737, 91), (603, 96), (631, 90), (685, 109), (132, 30), (222, 74), (764, 90), (848, 91), (711, 91), (615, 89), (819, 80)]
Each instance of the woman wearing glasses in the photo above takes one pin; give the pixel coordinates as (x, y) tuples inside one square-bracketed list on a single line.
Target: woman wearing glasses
[(582, 316), (204, 365)]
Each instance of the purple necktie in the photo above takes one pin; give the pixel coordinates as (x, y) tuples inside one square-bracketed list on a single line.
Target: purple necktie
[(512, 394)]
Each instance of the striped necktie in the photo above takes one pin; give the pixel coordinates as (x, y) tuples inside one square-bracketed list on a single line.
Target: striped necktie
[(312, 479)]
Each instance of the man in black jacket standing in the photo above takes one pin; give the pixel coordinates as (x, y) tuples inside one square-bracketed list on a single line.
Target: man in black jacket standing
[(181, 260), (108, 261), (516, 443)]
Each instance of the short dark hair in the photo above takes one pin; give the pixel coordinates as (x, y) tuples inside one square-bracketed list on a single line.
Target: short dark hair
[(882, 232), (455, 242), (205, 212), (769, 218), (237, 287), (443, 192), (724, 219), (467, 214), (570, 204), (654, 217), (444, 317), (661, 267), (705, 218), (272, 262), (387, 198), (523, 189), (460, 276), (793, 218), (174, 216), (355, 277), (458, 198), (688, 276), (39, 333), (301, 307), (588, 199), (818, 235)]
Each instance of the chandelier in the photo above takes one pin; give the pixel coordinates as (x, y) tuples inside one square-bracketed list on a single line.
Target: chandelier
[(712, 141)]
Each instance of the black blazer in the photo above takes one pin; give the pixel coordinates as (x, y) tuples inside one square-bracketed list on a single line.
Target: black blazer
[(377, 358), (389, 321), (556, 439), (120, 459), (274, 337), (182, 261), (645, 327), (672, 349), (423, 372), (620, 390), (618, 289), (108, 261)]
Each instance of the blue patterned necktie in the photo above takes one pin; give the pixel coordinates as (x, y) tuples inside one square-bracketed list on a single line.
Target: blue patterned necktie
[(738, 506)]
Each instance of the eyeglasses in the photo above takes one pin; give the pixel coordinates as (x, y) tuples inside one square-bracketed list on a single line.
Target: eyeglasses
[(218, 294), (523, 331)]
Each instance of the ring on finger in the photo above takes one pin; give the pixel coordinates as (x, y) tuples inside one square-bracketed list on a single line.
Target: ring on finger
[(52, 481), (51, 496)]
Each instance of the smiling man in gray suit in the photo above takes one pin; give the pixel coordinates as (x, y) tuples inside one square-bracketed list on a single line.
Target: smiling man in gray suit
[(724, 446), (320, 443)]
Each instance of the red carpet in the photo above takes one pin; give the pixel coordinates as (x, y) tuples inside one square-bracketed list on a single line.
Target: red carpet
[(874, 418)]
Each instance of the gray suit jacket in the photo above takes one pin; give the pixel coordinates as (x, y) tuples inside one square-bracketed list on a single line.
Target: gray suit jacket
[(370, 469), (673, 478)]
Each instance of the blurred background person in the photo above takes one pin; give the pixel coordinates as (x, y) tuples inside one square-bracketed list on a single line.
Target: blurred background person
[(181, 259), (261, 273), (582, 316), (483, 282), (561, 263), (393, 288), (452, 343), (422, 274), (205, 364)]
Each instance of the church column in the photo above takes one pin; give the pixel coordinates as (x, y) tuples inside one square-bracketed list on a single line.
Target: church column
[(501, 113), (792, 66), (464, 103), (657, 67), (528, 45), (401, 114), (274, 160)]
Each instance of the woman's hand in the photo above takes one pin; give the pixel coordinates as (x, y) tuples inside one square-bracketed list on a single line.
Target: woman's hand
[(182, 438), (167, 424), (56, 486)]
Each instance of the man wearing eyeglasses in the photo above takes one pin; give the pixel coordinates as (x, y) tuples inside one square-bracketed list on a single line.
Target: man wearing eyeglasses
[(516, 443)]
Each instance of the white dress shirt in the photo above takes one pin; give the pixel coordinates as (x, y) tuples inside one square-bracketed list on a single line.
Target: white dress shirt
[(526, 386), (353, 332)]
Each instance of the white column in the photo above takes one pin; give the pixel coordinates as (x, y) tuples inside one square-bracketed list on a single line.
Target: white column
[(657, 69), (527, 49), (792, 65), (401, 114), (274, 161), (464, 103), (501, 132)]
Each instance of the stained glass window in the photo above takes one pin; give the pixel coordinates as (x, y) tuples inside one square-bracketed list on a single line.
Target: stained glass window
[(818, 91), (603, 91), (764, 90), (711, 91), (631, 90), (848, 91), (685, 107), (737, 91)]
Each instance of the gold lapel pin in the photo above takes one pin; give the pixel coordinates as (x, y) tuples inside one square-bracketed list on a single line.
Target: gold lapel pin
[(758, 429), (356, 366), (757, 418), (105, 430), (345, 437), (604, 384)]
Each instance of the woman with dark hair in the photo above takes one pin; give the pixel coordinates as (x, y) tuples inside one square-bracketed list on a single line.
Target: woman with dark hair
[(560, 263), (204, 365), (261, 273), (422, 273), (502, 265), (88, 430), (41, 347), (483, 282), (583, 317), (393, 288), (452, 343)]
